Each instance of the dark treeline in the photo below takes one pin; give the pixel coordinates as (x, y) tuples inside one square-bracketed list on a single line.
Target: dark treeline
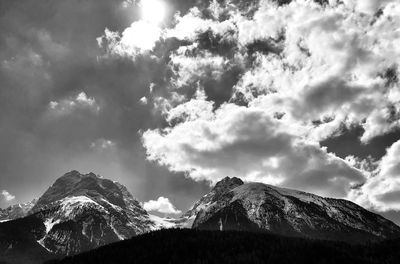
[(193, 246)]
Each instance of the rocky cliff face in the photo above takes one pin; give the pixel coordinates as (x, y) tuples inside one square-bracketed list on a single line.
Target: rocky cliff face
[(233, 204)]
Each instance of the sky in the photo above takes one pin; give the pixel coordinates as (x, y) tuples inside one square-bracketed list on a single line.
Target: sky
[(170, 96)]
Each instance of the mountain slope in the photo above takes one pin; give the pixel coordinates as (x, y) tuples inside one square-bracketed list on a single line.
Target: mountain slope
[(234, 205)]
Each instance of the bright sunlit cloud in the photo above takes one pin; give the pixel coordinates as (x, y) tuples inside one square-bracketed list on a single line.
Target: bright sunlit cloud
[(153, 11)]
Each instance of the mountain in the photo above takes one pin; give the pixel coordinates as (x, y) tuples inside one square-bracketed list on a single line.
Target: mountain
[(235, 205), (187, 246), (80, 212), (16, 211)]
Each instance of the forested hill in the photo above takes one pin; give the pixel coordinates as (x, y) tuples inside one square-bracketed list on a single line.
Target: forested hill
[(193, 246)]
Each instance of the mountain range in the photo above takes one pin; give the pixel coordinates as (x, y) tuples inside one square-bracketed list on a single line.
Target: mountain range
[(16, 211), (80, 212)]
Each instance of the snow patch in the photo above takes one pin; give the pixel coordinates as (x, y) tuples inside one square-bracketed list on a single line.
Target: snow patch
[(49, 224), (120, 237), (70, 204), (117, 208)]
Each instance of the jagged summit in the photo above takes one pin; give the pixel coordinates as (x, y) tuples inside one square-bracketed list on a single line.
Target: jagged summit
[(90, 185), (228, 183)]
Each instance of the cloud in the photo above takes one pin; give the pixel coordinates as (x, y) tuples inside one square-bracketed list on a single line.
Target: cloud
[(102, 144), (7, 196), (382, 189), (190, 69), (366, 6), (190, 25), (306, 70), (80, 101), (247, 143), (161, 205), (139, 38), (308, 79)]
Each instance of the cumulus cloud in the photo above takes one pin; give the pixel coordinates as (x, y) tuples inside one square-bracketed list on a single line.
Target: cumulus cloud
[(102, 144), (143, 100), (382, 190), (306, 70), (191, 24), (329, 67), (139, 38), (161, 205), (248, 143), (80, 101), (190, 69), (7, 196), (366, 6)]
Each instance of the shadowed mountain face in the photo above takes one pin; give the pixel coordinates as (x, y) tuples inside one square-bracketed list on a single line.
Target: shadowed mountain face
[(234, 205)]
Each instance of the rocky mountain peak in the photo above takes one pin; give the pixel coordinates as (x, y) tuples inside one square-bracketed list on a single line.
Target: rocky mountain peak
[(89, 185), (228, 183)]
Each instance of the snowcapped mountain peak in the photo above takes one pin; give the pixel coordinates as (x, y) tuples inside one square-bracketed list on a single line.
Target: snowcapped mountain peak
[(257, 206), (89, 211), (90, 185)]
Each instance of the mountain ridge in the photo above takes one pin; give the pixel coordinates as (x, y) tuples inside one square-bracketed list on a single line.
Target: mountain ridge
[(16, 211)]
